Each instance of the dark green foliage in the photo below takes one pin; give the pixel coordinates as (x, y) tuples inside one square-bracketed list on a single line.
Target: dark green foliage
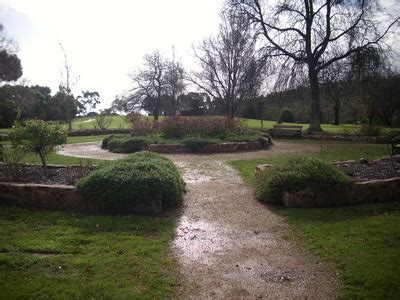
[(10, 66), (106, 140), (287, 115), (8, 111), (196, 144), (242, 138), (298, 174), (138, 179), (370, 130), (129, 144)]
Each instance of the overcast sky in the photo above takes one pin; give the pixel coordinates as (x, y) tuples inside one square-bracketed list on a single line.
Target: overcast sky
[(104, 40)]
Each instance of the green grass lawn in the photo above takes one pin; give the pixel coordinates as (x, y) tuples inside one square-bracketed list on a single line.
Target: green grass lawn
[(85, 139), (361, 242), (80, 123), (55, 255), (344, 129), (56, 159)]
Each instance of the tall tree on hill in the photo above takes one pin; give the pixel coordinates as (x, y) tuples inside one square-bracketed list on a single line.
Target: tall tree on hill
[(149, 85), (317, 33), (174, 81), (230, 69)]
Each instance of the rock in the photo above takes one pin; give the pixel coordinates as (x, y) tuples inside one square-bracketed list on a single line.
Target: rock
[(262, 167), (363, 161)]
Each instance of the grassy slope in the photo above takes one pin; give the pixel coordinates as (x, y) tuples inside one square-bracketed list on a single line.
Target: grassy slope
[(361, 242), (122, 257), (90, 123)]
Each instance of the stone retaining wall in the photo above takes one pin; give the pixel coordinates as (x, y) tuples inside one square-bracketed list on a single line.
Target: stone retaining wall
[(346, 138), (63, 197), (360, 193), (212, 148)]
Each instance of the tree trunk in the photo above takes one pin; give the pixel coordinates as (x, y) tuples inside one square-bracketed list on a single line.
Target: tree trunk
[(336, 109), (315, 118), (370, 119), (156, 111), (69, 124), (155, 115), (44, 163)]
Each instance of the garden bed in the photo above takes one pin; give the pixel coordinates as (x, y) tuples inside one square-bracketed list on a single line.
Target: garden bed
[(375, 181), (130, 144), (140, 183), (309, 182), (64, 175), (364, 170)]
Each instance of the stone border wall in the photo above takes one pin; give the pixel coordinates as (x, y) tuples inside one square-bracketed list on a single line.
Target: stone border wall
[(372, 191), (212, 148), (337, 137), (64, 198)]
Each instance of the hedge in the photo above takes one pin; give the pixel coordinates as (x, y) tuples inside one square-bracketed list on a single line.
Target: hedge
[(296, 175), (136, 180)]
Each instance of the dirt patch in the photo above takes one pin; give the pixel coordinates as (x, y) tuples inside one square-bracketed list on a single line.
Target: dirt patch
[(378, 169), (35, 174)]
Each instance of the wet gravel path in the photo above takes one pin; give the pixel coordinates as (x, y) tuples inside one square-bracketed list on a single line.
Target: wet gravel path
[(227, 244)]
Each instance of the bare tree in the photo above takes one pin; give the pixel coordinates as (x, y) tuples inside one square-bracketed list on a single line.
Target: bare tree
[(230, 70), (70, 106), (175, 84), (317, 33), (150, 85), (335, 86)]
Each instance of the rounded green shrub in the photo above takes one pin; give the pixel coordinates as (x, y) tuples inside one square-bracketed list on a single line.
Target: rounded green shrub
[(106, 140), (296, 175), (129, 144), (136, 180)]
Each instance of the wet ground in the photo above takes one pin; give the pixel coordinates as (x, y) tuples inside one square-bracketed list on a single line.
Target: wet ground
[(227, 244)]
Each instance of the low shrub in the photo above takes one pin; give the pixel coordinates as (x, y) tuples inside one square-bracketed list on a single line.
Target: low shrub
[(129, 144), (141, 125), (138, 179), (347, 131), (196, 144), (296, 175), (286, 115), (370, 130), (242, 138), (215, 127), (39, 137), (105, 141)]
